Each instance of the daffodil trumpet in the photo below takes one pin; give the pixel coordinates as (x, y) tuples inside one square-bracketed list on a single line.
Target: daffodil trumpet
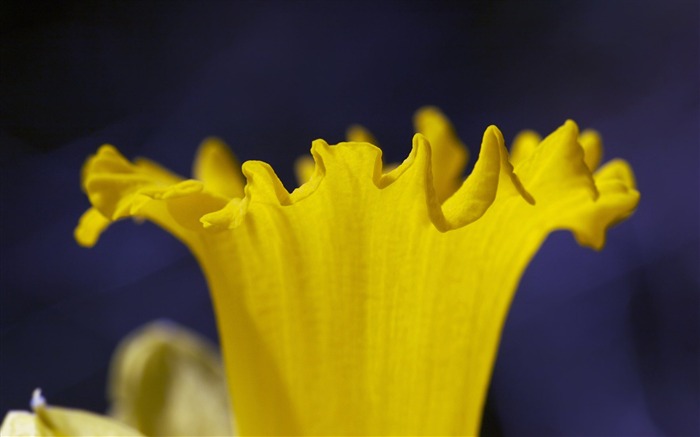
[(369, 300)]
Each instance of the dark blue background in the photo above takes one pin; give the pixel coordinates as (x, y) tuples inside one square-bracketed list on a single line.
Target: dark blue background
[(596, 343)]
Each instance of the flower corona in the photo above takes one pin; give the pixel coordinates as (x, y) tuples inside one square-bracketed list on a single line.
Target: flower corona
[(371, 299)]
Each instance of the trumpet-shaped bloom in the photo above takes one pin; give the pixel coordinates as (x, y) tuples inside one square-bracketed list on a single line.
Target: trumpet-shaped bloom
[(368, 300)]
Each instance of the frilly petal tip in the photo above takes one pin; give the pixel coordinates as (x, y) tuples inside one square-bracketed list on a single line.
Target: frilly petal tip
[(264, 186), (211, 148), (212, 143), (107, 149), (262, 183), (85, 239), (427, 112), (419, 142), (493, 134), (571, 127), (592, 233), (617, 169), (229, 217), (594, 240), (89, 228)]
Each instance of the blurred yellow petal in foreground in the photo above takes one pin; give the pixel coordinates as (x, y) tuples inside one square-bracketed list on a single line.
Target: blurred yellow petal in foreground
[(168, 381), (367, 301), (164, 381), (49, 421)]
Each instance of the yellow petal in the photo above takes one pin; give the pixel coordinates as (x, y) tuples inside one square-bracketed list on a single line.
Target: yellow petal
[(218, 168), (303, 169), (57, 421), (523, 146), (618, 171), (90, 226), (526, 142), (118, 189), (19, 423), (492, 173), (556, 166), (592, 146), (168, 381), (50, 421), (362, 304), (449, 154), (359, 134)]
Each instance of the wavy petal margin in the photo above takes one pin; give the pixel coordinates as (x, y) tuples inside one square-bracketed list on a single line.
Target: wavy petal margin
[(366, 302)]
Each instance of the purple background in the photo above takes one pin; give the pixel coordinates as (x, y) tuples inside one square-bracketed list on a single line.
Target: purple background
[(597, 344)]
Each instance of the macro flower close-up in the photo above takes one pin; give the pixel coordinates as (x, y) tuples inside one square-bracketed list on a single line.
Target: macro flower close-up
[(445, 277), (365, 303)]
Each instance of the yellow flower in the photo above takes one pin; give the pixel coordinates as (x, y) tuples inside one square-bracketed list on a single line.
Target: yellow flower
[(368, 300)]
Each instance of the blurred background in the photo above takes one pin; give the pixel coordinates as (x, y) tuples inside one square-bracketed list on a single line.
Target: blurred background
[(597, 344)]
